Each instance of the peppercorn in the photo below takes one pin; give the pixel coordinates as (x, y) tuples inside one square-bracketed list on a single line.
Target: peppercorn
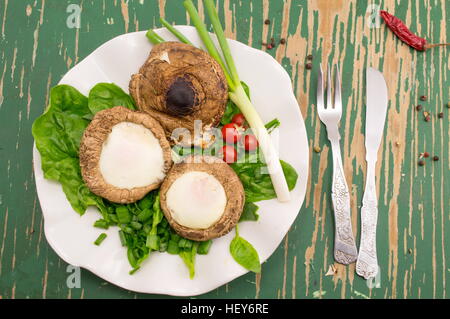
[(282, 41), (418, 107), (309, 57), (270, 46), (423, 98), (421, 163), (427, 118), (308, 66), (267, 21), (441, 115), (435, 158)]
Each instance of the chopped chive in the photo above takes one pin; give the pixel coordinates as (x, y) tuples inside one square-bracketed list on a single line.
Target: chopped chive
[(136, 225), (100, 239), (123, 239), (101, 223), (113, 218), (131, 258), (185, 243), (144, 215), (272, 125), (203, 247), (123, 215), (172, 247), (163, 246)]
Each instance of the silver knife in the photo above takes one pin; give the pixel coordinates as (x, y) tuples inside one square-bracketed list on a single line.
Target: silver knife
[(376, 108)]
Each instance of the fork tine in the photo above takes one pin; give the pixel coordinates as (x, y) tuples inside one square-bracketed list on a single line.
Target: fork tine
[(320, 105), (329, 84), (337, 90)]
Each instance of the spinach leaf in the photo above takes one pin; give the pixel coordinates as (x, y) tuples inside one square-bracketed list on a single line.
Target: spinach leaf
[(107, 95), (256, 180), (143, 227), (57, 133), (249, 213), (244, 253), (188, 257)]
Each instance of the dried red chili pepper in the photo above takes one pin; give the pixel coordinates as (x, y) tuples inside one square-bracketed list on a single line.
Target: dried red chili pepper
[(403, 33)]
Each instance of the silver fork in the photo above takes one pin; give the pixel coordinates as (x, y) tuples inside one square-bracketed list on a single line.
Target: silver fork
[(344, 243)]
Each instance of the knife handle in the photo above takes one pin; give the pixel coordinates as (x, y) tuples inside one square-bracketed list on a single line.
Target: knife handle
[(367, 263), (345, 251)]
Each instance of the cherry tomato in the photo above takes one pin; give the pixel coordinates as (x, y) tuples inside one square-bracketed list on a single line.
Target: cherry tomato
[(231, 133), (229, 154), (250, 142), (238, 119)]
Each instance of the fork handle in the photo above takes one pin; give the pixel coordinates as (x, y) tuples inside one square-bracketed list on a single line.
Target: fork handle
[(367, 263), (345, 251)]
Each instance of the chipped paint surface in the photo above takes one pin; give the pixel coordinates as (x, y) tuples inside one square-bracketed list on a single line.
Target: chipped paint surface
[(37, 48)]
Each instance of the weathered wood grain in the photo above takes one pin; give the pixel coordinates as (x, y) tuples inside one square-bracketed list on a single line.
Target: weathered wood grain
[(37, 48)]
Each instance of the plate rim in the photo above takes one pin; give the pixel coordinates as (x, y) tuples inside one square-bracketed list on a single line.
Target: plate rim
[(197, 291)]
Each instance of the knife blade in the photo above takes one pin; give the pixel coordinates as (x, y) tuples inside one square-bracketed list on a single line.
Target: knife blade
[(376, 109)]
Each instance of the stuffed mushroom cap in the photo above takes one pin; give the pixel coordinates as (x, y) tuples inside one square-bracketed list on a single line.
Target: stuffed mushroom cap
[(178, 85), (202, 198), (124, 154)]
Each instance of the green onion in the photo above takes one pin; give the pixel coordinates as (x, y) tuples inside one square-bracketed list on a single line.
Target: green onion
[(237, 94), (203, 247), (131, 258), (175, 237), (100, 239), (123, 239), (136, 225), (101, 223), (123, 215), (144, 215), (272, 125), (174, 31), (113, 218), (153, 37), (146, 202), (185, 243), (163, 246), (207, 41), (134, 270), (172, 247)]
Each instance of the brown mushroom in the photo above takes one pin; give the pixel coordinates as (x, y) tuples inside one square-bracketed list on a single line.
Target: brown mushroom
[(179, 84), (124, 155), (202, 197)]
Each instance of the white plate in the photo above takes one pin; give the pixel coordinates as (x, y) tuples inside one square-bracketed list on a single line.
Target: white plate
[(72, 236)]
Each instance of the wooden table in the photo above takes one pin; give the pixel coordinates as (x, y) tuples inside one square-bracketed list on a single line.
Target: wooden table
[(37, 46)]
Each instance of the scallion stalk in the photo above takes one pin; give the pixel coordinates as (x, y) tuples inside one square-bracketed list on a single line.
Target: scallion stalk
[(174, 31), (100, 239), (207, 41), (154, 37), (238, 96)]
